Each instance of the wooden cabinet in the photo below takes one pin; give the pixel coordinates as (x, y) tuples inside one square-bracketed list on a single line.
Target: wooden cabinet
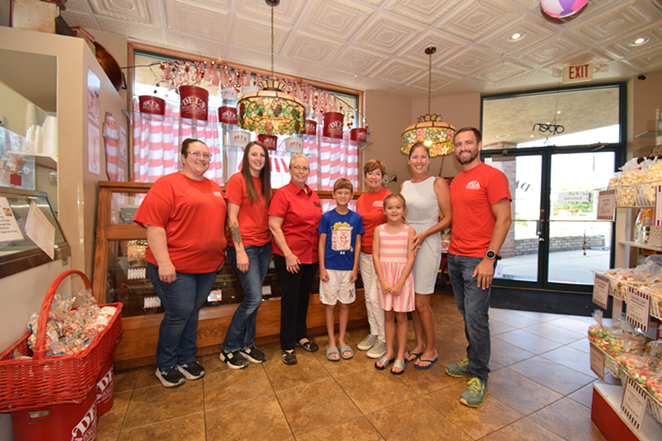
[(119, 276)]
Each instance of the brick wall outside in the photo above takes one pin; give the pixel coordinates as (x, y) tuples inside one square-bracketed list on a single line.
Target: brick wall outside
[(530, 246)]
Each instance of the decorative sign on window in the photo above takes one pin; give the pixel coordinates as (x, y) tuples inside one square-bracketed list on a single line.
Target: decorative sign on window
[(215, 296), (136, 273), (266, 290), (151, 302)]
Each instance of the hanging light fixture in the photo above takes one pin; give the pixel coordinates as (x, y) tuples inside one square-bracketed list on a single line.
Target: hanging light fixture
[(271, 111), (435, 134)]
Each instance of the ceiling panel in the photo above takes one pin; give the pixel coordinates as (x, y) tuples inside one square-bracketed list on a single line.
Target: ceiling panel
[(379, 44)]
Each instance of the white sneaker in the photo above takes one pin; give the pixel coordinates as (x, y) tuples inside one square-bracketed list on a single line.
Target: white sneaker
[(378, 350), (367, 343)]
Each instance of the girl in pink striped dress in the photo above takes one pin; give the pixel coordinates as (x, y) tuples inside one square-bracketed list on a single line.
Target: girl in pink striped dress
[(393, 257)]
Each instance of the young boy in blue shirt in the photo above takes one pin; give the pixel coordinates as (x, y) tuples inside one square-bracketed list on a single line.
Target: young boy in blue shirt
[(339, 252)]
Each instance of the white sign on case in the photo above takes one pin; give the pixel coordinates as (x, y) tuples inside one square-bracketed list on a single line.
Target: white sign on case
[(634, 402), (606, 204), (638, 308), (601, 291)]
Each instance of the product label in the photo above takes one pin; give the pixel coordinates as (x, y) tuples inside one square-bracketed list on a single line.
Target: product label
[(86, 429), (136, 273), (151, 106), (638, 308), (334, 128), (215, 296), (151, 302), (266, 290), (601, 291), (634, 401), (606, 204), (105, 387), (598, 362)]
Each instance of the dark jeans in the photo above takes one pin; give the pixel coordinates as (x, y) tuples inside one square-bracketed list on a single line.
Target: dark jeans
[(241, 333), (295, 290), (474, 304), (182, 300)]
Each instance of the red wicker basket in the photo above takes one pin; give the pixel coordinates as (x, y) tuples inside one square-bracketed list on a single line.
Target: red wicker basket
[(63, 379)]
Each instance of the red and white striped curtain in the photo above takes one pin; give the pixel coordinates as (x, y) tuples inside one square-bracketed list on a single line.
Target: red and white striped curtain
[(157, 142)]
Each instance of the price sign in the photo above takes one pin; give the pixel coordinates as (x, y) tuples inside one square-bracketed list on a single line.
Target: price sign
[(658, 206), (634, 402), (598, 362), (601, 291), (215, 296), (606, 204), (638, 308), (151, 302), (136, 273), (266, 290)]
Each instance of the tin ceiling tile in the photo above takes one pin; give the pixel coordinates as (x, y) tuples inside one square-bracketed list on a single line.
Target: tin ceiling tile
[(622, 46), (623, 20), (140, 11), (359, 61), (378, 85), (551, 49), (200, 46), (422, 11), (248, 57), (343, 78), (374, 2), (505, 70), (197, 19), (647, 60), (439, 81), (297, 68), (255, 33), (387, 33), (409, 92), (338, 19), (77, 5), (473, 20), (532, 28), (589, 56), (462, 85), (83, 19), (136, 31), (287, 12), (400, 71), (470, 62), (446, 47), (311, 48)]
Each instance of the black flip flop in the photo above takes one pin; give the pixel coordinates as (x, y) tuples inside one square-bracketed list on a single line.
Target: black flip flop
[(308, 346)]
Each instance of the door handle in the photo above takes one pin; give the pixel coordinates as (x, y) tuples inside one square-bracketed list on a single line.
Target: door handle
[(539, 232)]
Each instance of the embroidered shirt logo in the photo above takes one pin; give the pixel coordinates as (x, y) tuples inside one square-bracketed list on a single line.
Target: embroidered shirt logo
[(378, 204), (473, 185), (218, 194)]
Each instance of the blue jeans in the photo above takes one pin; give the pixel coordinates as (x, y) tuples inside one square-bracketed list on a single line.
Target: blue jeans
[(474, 304), (241, 333), (182, 300)]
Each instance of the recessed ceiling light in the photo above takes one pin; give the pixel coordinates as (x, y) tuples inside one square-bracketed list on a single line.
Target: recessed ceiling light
[(505, 135), (558, 112), (639, 41), (516, 36)]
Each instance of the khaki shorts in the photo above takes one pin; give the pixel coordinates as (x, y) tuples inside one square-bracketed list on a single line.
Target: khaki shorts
[(337, 288)]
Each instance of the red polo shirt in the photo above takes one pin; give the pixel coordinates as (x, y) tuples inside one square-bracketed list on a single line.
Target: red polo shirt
[(301, 212)]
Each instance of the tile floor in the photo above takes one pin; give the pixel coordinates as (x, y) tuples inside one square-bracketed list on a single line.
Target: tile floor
[(540, 389)]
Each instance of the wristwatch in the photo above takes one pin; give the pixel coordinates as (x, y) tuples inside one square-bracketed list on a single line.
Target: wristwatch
[(491, 255)]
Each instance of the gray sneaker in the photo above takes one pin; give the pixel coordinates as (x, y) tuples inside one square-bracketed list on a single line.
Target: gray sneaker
[(367, 343), (475, 393), (460, 369), (378, 350)]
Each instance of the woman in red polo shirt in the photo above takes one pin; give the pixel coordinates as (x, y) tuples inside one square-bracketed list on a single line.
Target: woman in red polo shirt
[(294, 215), (248, 195), (371, 208), (184, 214)]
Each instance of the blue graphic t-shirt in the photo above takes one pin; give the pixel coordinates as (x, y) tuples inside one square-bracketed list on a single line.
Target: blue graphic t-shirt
[(341, 231)]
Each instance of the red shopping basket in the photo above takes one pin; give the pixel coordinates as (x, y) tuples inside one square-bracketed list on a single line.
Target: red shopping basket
[(63, 379)]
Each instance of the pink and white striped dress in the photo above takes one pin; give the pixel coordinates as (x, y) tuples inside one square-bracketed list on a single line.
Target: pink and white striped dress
[(393, 258)]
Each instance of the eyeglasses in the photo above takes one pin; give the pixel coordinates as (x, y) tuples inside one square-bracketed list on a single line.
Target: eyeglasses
[(199, 154), (298, 168)]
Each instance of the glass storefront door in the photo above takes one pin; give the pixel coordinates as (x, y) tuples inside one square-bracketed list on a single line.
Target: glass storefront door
[(555, 239)]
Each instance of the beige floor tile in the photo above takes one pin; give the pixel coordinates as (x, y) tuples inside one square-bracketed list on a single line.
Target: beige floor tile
[(147, 377), (520, 393), (477, 422), (426, 381), (506, 354), (111, 421), (358, 362), (415, 420), (212, 364), (552, 375), (358, 429), (125, 380), (517, 320), (581, 345), (171, 430), (583, 396), (555, 333), (151, 405), (571, 358), (540, 316), (498, 328), (316, 406), (273, 352), (232, 386), (530, 342), (307, 370), (372, 390), (522, 430), (261, 417), (571, 324), (569, 420)]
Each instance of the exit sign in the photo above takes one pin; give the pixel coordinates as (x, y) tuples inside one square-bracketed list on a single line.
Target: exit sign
[(578, 72)]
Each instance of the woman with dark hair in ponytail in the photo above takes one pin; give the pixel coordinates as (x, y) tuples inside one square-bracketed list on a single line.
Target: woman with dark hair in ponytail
[(248, 196)]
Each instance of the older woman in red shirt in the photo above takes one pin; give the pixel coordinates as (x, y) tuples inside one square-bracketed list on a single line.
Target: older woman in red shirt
[(184, 214), (294, 215)]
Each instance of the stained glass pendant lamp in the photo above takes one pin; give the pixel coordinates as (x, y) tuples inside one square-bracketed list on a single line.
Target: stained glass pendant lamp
[(271, 111), (435, 134)]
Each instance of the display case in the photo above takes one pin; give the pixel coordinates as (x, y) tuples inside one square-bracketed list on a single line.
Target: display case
[(120, 275)]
